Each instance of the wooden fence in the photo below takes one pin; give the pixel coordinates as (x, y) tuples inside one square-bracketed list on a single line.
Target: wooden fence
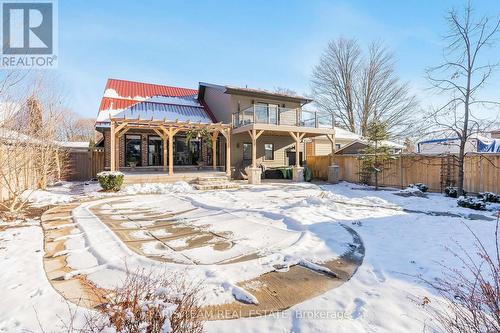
[(482, 171), (85, 164), (77, 165)]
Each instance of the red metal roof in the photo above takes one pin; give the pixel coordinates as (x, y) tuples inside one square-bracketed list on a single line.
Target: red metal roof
[(130, 92)]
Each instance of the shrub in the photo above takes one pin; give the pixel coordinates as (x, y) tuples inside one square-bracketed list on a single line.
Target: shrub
[(452, 192), (110, 180), (420, 186), (287, 172), (469, 293), (489, 197), (146, 303), (307, 174), (472, 203)]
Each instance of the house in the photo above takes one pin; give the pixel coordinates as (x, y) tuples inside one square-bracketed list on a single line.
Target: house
[(321, 146), (359, 145), (151, 127), (475, 143), (346, 142)]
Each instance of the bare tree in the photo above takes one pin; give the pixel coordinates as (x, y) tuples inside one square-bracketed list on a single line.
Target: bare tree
[(75, 128), (468, 294), (285, 91), (359, 91), (381, 96), (334, 81), (30, 156), (461, 76)]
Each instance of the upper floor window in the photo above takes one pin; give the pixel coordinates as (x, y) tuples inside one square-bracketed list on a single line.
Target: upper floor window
[(269, 151)]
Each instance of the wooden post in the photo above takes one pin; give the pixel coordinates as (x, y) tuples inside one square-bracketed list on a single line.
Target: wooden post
[(163, 135), (332, 142), (171, 133), (227, 135), (112, 146), (165, 141), (297, 151), (170, 151), (254, 148), (297, 137), (214, 149), (254, 135)]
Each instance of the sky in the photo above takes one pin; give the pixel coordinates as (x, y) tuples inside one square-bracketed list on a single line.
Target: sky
[(259, 44)]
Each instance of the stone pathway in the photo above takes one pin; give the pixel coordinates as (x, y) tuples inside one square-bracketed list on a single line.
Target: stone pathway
[(58, 226), (275, 291)]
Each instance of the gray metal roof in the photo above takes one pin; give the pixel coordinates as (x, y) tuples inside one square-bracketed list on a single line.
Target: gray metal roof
[(163, 111)]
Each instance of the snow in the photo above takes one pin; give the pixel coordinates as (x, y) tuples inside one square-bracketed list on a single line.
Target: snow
[(174, 100), (40, 198), (159, 188), (287, 224), (27, 296)]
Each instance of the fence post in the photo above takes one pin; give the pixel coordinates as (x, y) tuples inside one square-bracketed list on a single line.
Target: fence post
[(401, 179)]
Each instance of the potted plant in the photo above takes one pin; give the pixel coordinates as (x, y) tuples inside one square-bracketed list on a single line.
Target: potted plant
[(132, 163)]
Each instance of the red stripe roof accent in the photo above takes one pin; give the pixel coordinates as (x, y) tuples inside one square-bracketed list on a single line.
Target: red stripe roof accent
[(128, 90), (117, 103)]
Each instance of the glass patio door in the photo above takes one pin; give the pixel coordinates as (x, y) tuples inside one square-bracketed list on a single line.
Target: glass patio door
[(273, 114), (155, 151), (133, 150)]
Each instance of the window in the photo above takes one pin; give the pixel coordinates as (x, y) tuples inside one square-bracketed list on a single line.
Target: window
[(133, 150), (269, 151), (155, 150), (247, 151), (337, 146)]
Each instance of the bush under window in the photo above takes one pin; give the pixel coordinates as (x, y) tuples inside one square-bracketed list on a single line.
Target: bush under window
[(110, 180)]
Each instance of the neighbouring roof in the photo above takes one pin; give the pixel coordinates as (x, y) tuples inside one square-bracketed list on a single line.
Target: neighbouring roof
[(74, 144), (146, 99), (383, 143), (254, 92), (341, 134), (471, 137)]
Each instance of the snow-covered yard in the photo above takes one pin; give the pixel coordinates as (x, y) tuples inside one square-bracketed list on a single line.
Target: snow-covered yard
[(283, 224)]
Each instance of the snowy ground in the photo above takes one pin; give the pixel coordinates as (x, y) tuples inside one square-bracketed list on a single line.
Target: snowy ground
[(399, 246)]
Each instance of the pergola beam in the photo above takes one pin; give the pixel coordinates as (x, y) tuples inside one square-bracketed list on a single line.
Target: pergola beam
[(214, 136)]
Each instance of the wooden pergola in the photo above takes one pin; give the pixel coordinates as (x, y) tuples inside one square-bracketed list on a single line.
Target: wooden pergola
[(166, 130)]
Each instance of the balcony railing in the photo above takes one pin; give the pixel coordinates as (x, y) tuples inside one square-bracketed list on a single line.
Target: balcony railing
[(274, 115)]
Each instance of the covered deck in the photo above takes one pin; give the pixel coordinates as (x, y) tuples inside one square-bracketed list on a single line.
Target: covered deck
[(255, 130), (166, 130)]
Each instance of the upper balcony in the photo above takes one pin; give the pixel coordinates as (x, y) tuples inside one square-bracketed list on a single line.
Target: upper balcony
[(279, 116)]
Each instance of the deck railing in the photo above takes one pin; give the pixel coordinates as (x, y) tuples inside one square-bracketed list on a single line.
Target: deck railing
[(274, 115)]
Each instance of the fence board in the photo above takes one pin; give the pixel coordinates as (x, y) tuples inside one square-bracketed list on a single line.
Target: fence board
[(481, 171)]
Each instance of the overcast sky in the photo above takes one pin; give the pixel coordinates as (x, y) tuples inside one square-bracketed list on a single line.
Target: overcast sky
[(262, 44)]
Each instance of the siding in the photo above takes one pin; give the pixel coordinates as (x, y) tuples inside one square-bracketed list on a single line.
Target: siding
[(281, 144), (220, 104)]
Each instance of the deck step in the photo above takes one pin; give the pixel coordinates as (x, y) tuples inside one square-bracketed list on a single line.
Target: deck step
[(221, 186), (206, 183)]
